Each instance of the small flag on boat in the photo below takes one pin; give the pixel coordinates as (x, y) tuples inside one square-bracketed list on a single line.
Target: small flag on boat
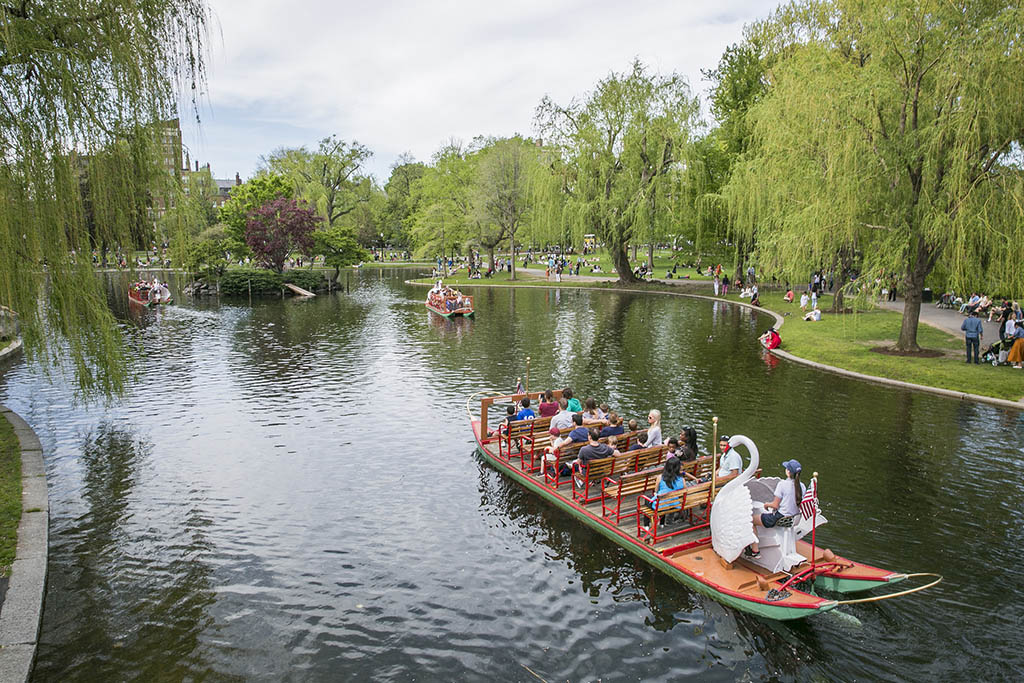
[(519, 386), (809, 504)]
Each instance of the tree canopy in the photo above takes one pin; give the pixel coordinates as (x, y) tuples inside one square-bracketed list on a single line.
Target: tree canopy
[(80, 79), (620, 146), (890, 131)]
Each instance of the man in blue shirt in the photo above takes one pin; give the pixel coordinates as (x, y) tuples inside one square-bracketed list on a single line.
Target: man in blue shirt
[(973, 334), (526, 413)]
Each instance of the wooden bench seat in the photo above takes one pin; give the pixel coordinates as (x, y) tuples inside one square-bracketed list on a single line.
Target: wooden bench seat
[(517, 435), (686, 501), (566, 453)]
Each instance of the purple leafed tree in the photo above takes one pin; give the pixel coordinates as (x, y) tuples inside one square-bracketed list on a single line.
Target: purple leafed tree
[(278, 228)]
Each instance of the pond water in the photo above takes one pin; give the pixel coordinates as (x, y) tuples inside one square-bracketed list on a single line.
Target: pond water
[(290, 491)]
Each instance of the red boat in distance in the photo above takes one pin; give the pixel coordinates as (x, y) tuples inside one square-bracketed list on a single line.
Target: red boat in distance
[(449, 303)]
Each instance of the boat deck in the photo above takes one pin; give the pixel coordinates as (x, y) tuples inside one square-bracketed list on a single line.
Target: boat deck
[(689, 557)]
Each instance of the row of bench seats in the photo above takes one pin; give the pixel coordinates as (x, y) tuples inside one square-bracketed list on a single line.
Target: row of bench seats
[(685, 501)]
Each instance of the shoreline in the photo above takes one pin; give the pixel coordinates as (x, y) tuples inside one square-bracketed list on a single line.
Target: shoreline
[(21, 611), (779, 321)]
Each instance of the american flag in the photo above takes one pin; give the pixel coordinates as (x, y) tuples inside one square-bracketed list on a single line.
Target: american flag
[(519, 386), (809, 504)]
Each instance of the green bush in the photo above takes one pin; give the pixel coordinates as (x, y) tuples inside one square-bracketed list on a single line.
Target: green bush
[(307, 279), (236, 282)]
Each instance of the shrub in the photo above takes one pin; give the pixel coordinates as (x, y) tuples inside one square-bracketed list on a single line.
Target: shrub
[(236, 282)]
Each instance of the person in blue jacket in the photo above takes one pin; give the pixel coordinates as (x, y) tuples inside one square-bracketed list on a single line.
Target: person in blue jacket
[(973, 334)]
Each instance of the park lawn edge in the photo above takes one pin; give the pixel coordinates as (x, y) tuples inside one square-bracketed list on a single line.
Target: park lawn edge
[(10, 495), (841, 341)]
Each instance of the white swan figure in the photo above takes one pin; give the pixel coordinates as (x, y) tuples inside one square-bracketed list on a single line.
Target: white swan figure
[(732, 525)]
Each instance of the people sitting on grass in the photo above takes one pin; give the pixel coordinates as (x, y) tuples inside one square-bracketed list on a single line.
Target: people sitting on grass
[(788, 296), (813, 316)]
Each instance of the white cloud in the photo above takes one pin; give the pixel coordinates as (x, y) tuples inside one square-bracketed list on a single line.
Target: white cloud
[(400, 76)]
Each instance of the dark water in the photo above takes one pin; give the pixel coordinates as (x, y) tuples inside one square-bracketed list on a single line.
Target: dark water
[(290, 492)]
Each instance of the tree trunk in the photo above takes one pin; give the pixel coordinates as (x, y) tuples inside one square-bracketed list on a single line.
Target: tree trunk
[(634, 252), (512, 259), (621, 264), (917, 271), (490, 255), (650, 257)]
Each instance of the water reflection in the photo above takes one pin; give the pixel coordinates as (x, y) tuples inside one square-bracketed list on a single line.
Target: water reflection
[(288, 491)]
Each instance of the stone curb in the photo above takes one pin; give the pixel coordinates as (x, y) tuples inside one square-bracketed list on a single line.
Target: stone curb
[(22, 610), (779, 320), (13, 348)]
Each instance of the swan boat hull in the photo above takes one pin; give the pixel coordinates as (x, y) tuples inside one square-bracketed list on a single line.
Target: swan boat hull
[(689, 559), (459, 312)]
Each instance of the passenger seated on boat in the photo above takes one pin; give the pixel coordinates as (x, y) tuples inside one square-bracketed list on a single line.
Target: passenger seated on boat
[(640, 438), (688, 443), (730, 461), (673, 448), (614, 427), (526, 413), (633, 425), (782, 511), (578, 434), (592, 415), (548, 407), (562, 419), (509, 416), (653, 429), (574, 403), (594, 448)]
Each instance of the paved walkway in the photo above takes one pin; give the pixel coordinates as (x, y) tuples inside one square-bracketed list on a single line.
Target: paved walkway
[(948, 320)]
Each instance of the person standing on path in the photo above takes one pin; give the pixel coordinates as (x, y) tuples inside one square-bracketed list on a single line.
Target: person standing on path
[(973, 334)]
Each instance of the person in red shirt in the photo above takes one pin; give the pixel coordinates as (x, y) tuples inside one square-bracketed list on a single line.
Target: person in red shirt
[(770, 339)]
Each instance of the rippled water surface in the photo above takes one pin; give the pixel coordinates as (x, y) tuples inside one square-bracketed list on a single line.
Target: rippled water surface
[(290, 492)]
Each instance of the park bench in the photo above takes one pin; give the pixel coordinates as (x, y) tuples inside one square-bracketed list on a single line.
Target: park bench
[(588, 476), (633, 484)]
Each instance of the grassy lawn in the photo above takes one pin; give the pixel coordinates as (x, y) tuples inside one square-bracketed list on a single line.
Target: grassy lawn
[(10, 495), (845, 341), (663, 262)]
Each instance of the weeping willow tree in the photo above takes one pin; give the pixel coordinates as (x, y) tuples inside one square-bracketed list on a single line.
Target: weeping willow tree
[(889, 140), (620, 145), (80, 83)]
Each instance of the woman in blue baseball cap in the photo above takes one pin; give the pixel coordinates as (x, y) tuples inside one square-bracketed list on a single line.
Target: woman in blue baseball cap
[(786, 506)]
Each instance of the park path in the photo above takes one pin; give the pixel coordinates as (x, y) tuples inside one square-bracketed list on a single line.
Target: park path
[(948, 320)]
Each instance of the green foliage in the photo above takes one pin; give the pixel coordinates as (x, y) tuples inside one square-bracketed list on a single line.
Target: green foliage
[(400, 204), (441, 219), (247, 197), (339, 247), (329, 178), (890, 134), (237, 281), (622, 147), (82, 82), (241, 281)]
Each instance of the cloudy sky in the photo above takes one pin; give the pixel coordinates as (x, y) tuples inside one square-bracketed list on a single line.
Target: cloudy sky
[(403, 76)]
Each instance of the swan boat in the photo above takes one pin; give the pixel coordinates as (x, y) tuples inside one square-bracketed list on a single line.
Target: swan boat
[(146, 294), (707, 556), (450, 303)]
